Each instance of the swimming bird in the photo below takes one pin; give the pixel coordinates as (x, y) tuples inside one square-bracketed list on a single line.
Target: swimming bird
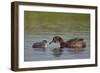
[(40, 44), (72, 43)]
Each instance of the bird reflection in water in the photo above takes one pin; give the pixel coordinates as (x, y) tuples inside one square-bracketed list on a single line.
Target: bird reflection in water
[(57, 52)]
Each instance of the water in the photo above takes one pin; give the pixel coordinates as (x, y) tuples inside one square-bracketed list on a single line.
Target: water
[(38, 54)]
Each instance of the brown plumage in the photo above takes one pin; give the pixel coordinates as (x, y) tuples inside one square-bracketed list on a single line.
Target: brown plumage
[(72, 43)]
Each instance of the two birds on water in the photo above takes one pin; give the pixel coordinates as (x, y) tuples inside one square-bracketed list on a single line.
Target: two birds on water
[(76, 43)]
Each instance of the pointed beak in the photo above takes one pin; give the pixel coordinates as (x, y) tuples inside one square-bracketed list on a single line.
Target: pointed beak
[(50, 42)]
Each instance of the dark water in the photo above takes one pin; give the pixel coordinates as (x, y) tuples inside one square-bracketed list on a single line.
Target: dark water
[(38, 54)]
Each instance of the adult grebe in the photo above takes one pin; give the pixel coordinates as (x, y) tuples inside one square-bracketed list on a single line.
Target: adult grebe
[(72, 43)]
